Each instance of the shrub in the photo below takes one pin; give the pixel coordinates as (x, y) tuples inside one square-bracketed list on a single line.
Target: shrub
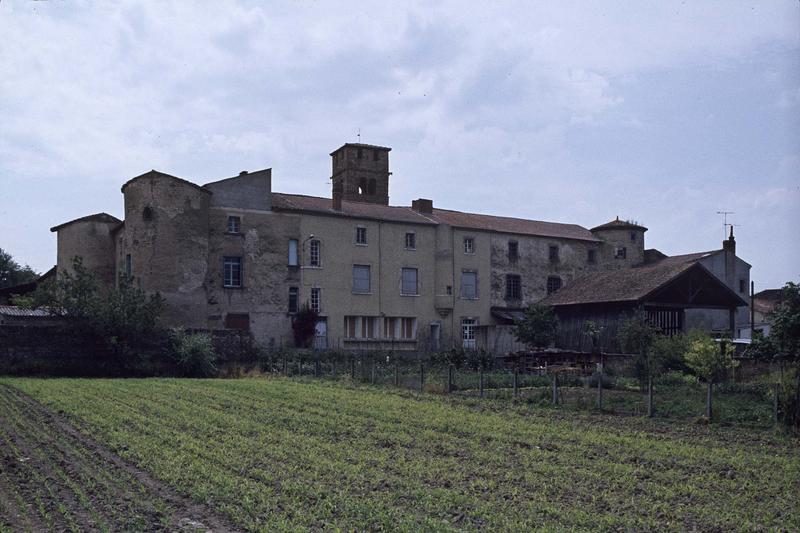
[(539, 327), (608, 381), (194, 354), (304, 326), (676, 377)]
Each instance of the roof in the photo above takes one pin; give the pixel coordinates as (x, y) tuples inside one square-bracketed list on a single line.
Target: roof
[(519, 226), (97, 217), (156, 173), (315, 204), (239, 175), (774, 295), (619, 224), (360, 145), (634, 284), (12, 310)]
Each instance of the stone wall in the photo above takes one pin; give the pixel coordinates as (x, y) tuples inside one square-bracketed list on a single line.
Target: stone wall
[(51, 351)]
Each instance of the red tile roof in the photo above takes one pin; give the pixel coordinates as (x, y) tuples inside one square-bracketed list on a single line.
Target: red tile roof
[(519, 226), (315, 204)]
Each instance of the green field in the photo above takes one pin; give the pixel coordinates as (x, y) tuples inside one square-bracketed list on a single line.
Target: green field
[(280, 454)]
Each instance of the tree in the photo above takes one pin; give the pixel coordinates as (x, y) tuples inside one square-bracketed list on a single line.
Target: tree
[(11, 273), (304, 326), (710, 360), (783, 346), (124, 318), (539, 327), (636, 335)]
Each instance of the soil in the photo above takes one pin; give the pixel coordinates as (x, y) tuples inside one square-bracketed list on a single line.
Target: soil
[(55, 478)]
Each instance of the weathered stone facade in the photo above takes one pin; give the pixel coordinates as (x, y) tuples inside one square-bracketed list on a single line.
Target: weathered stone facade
[(233, 254)]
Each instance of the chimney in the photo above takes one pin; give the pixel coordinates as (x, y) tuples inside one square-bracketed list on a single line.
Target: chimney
[(422, 205), (336, 195), (729, 245)]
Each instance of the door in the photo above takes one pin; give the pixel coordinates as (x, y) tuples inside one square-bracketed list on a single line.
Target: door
[(468, 327), (436, 335), (320, 335)]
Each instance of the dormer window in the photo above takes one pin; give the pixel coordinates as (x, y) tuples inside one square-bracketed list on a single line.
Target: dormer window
[(234, 224)]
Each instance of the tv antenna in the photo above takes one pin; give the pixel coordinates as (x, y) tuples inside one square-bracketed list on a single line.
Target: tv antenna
[(359, 135), (725, 222)]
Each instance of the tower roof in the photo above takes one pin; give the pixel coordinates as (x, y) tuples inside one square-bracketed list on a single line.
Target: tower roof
[(619, 224)]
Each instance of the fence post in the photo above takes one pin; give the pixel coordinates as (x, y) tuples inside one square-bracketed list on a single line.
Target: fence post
[(352, 367), (516, 381), (372, 377), (396, 373), (600, 386), (300, 366), (450, 379), (421, 375), (333, 365), (285, 365), (775, 404), (480, 381), (555, 388)]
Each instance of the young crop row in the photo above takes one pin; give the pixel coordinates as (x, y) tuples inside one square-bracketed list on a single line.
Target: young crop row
[(280, 454)]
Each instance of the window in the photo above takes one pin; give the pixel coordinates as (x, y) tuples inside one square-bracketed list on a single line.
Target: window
[(469, 245), (591, 258), (468, 327), (409, 286), (513, 287), (294, 299), (373, 186), (375, 155), (128, 266), (553, 284), (313, 253), (633, 236), (293, 252), (237, 321), (404, 328), (315, 302), (361, 279), (411, 241), (362, 186), (620, 252), (449, 290), (361, 235), (232, 271), (742, 286), (147, 213), (361, 327), (360, 154), (234, 224), (513, 251), (553, 253), (469, 285)]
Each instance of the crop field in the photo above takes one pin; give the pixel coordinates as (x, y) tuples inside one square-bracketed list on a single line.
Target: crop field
[(276, 454)]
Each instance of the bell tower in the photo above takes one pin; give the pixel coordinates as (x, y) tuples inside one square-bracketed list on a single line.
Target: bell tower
[(360, 174)]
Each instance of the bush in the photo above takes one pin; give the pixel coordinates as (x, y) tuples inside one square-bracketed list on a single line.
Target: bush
[(676, 377), (194, 354), (608, 381)]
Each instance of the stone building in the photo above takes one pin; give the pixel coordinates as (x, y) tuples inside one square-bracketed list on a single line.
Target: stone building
[(235, 254)]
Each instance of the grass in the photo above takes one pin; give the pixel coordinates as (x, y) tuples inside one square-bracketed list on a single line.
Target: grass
[(275, 454)]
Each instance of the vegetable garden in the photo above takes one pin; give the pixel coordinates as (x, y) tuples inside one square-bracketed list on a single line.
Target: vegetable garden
[(276, 454)]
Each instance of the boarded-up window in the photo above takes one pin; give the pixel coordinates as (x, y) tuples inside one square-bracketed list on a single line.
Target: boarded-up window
[(409, 286), (237, 321), (361, 279)]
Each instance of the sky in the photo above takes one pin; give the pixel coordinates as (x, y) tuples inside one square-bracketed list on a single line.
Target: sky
[(660, 112)]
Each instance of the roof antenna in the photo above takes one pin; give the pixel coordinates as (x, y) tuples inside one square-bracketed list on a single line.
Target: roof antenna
[(359, 135), (725, 222)]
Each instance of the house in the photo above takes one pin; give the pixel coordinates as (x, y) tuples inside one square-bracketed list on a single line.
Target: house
[(235, 254)]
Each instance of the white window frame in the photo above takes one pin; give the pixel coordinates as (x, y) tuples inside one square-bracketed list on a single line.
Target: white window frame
[(315, 299), (361, 236), (469, 327), (402, 281), (228, 278), (315, 253), (234, 224), (368, 270), (469, 245)]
